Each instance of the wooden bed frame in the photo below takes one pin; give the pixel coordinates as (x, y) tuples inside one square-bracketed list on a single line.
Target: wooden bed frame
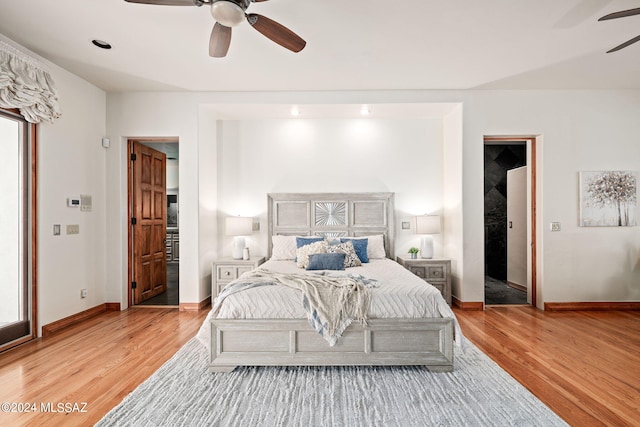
[(275, 342)]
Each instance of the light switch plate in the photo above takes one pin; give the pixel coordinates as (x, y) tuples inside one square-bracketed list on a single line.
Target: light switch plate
[(555, 226)]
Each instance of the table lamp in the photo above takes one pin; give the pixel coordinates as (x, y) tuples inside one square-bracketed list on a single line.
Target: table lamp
[(427, 226), (238, 227)]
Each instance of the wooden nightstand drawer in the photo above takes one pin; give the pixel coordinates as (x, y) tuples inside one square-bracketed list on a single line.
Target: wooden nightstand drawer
[(226, 270), (226, 273), (428, 272)]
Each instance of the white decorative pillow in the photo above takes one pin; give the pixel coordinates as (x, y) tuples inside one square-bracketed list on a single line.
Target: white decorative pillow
[(303, 252), (283, 248), (351, 258), (375, 248)]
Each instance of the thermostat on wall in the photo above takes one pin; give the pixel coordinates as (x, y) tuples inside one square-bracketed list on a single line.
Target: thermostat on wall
[(73, 202)]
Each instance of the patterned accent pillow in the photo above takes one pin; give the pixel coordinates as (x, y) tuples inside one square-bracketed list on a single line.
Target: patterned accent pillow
[(303, 252), (360, 245), (351, 259)]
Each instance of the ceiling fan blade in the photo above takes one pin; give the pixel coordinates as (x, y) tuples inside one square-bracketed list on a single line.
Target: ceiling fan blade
[(621, 14), (165, 2), (625, 44), (219, 41), (276, 32)]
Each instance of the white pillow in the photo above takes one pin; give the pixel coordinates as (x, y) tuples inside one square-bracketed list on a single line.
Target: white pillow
[(375, 247), (283, 248)]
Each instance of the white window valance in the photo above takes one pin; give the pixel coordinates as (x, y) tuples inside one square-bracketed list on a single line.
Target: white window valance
[(27, 86)]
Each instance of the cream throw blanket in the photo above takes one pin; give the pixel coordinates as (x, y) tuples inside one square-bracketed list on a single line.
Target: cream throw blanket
[(332, 300)]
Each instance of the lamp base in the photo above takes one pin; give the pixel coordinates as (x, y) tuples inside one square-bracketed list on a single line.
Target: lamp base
[(238, 247), (426, 247)]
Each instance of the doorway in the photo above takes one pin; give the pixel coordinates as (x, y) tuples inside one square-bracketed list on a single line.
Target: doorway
[(154, 265), (18, 263), (509, 220)]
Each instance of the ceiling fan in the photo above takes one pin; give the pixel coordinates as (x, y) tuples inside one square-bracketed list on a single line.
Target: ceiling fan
[(230, 13), (622, 14)]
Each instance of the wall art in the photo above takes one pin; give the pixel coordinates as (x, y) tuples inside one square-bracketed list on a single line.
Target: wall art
[(608, 198)]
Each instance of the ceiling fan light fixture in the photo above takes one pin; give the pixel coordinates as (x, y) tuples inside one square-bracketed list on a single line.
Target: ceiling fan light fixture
[(227, 13)]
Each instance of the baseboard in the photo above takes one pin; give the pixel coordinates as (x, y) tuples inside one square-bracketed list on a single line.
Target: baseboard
[(517, 286), (468, 305), (74, 319), (112, 306), (591, 306), (195, 306)]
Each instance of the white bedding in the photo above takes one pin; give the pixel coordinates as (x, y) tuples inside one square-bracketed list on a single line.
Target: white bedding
[(400, 294)]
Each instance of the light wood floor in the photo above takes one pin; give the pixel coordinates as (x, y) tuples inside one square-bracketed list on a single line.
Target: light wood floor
[(584, 365), (98, 362)]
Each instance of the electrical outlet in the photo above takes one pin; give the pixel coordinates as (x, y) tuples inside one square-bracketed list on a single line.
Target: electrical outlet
[(56, 229), (83, 293), (555, 226), (73, 229)]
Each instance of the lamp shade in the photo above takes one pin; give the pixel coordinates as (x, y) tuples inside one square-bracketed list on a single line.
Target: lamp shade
[(238, 226), (428, 224)]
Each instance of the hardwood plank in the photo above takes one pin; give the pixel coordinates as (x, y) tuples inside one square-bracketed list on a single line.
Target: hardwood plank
[(582, 364), (98, 362)]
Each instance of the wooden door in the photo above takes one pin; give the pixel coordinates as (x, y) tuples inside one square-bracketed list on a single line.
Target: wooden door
[(148, 222)]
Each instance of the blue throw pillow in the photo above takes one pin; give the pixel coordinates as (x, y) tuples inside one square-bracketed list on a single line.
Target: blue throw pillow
[(360, 245), (302, 241), (326, 261)]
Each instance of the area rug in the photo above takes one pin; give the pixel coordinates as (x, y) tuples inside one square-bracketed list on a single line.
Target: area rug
[(184, 393)]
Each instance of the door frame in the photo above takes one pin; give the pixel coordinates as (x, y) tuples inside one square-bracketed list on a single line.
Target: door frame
[(130, 248), (531, 142)]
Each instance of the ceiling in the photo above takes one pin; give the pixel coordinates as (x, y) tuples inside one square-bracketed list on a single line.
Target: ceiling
[(351, 45)]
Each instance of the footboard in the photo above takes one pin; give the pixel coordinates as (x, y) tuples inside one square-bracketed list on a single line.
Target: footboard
[(427, 342)]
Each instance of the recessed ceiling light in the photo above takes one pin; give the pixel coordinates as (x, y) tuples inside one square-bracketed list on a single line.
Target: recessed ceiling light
[(295, 111), (101, 44)]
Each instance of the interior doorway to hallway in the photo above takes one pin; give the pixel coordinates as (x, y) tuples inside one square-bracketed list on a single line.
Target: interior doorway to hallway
[(166, 237), (509, 220)]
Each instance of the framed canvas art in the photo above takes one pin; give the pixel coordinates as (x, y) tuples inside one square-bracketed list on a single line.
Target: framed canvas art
[(608, 198)]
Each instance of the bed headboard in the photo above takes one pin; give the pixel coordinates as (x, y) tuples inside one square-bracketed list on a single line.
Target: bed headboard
[(332, 215)]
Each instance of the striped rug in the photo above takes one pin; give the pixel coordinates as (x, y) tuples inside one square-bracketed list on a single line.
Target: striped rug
[(184, 393)]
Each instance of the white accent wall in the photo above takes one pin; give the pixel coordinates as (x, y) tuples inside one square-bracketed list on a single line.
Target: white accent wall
[(329, 155)]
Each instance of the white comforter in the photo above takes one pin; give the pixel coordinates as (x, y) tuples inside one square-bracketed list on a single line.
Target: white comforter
[(400, 294)]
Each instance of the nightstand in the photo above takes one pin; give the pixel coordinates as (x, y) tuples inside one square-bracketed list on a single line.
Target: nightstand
[(436, 272), (224, 270)]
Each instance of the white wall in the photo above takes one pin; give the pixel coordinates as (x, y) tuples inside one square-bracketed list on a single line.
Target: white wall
[(329, 155), (131, 115), (581, 130), (453, 233), (71, 162)]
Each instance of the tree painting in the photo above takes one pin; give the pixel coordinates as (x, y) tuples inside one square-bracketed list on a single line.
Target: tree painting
[(608, 198)]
